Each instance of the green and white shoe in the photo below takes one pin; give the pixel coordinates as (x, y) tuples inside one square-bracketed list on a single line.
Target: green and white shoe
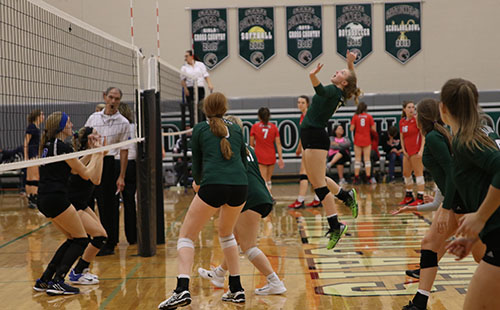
[(335, 235)]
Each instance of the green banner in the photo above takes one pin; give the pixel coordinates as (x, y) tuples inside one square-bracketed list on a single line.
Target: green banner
[(354, 30), (209, 30), (304, 33), (256, 32), (403, 38)]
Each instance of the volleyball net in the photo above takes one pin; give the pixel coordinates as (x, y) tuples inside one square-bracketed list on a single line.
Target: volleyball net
[(51, 61)]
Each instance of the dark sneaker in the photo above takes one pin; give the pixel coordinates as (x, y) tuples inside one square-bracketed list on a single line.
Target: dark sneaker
[(415, 273), (176, 300), (61, 288), (335, 235), (41, 286), (236, 297), (411, 306), (352, 202)]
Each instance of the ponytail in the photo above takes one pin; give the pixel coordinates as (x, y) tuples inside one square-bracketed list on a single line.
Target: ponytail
[(214, 107), (351, 89), (52, 125)]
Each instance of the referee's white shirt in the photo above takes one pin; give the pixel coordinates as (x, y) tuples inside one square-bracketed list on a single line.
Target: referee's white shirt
[(115, 128), (132, 148), (198, 70)]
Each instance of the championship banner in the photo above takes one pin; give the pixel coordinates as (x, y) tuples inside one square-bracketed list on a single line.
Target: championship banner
[(256, 32), (354, 30), (209, 31), (304, 33), (403, 38)]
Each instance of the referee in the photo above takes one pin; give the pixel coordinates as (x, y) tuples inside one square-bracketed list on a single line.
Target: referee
[(110, 124)]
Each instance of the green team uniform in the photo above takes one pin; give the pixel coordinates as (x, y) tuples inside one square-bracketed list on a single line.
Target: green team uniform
[(257, 190), (473, 173), (209, 166), (325, 103), (437, 159)]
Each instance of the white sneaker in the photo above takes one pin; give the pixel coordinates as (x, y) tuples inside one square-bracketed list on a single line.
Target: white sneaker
[(212, 276), (82, 278), (373, 180), (271, 289), (342, 182), (86, 271)]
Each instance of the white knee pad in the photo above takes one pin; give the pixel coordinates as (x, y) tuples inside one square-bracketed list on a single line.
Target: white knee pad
[(357, 164), (185, 243), (420, 180), (409, 180), (252, 253), (227, 242), (368, 164), (269, 184)]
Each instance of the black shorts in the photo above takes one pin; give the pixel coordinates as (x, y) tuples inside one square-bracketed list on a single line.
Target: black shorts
[(314, 138), (346, 157), (492, 254), (53, 204), (79, 204), (263, 209), (217, 195)]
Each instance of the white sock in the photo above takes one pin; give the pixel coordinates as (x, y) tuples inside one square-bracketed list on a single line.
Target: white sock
[(421, 193), (183, 276), (316, 197), (331, 215), (301, 198), (426, 293), (273, 278), (219, 271)]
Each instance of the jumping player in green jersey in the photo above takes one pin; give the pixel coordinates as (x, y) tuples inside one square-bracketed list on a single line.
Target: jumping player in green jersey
[(316, 142)]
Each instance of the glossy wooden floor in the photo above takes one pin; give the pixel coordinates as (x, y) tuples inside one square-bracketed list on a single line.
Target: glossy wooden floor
[(365, 271)]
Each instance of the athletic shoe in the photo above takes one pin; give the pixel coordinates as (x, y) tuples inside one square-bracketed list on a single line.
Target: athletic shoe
[(83, 278), (415, 273), (411, 306), (356, 181), (296, 205), (32, 202), (176, 300), (342, 182), (212, 276), (335, 235), (61, 288), (314, 204), (271, 289), (373, 180), (87, 272), (40, 285), (236, 297), (416, 202), (352, 202), (407, 200)]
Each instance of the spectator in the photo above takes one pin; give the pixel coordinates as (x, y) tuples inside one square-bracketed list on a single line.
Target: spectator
[(182, 164), (194, 68), (31, 145), (339, 152), (361, 125), (391, 144)]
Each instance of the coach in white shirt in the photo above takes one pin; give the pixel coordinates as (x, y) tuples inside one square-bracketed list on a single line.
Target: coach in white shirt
[(194, 68), (110, 124)]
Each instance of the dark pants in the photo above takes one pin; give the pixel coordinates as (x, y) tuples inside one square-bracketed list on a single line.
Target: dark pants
[(190, 104), (108, 202), (392, 161), (129, 207)]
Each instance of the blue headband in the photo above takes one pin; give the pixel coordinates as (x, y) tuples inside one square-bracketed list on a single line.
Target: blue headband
[(62, 123)]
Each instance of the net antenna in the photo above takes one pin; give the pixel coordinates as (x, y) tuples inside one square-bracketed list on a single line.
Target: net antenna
[(52, 61)]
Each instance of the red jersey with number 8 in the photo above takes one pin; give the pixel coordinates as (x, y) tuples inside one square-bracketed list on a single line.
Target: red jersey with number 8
[(362, 128), (264, 136), (411, 135)]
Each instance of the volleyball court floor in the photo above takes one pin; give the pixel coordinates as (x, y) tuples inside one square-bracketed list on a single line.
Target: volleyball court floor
[(366, 270)]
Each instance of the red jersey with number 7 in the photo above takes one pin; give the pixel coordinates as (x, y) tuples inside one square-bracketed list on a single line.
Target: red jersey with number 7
[(411, 135), (264, 136)]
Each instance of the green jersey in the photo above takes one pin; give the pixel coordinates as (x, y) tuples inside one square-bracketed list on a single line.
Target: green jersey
[(325, 103), (257, 190), (437, 159), (473, 173), (209, 166)]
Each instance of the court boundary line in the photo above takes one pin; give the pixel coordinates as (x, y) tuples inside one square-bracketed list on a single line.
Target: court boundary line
[(119, 287), (24, 235)]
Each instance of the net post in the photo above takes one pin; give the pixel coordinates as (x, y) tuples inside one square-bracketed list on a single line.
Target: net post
[(146, 177), (160, 218)]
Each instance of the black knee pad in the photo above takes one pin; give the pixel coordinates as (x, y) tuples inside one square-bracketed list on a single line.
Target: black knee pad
[(302, 177), (98, 242), (428, 259), (81, 242), (32, 183), (321, 192)]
